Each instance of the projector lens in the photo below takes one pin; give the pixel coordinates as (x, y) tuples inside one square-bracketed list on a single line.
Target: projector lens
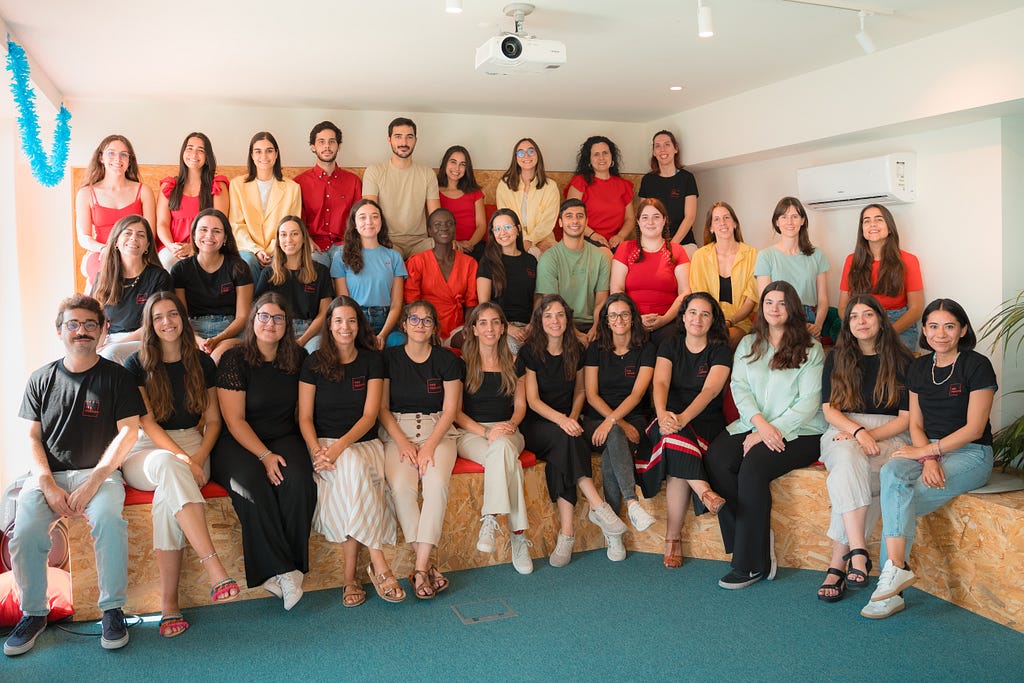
[(511, 47)]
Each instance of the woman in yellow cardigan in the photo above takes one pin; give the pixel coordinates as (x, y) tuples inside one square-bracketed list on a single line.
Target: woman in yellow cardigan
[(259, 201), (724, 268)]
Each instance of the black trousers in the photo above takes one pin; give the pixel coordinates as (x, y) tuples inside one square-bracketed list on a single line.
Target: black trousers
[(744, 483)]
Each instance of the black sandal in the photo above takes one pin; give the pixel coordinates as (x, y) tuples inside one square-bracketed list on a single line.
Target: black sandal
[(839, 586), (853, 583)]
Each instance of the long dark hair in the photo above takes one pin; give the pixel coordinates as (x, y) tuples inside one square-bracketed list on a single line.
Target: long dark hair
[(709, 234), (229, 249), (675, 158), (796, 340), (471, 353), (803, 239), (719, 331), (108, 288), (891, 270), (467, 183), (537, 339), (250, 165), (847, 368), (492, 252), (95, 172), (352, 250), (513, 175), (158, 382), (279, 273), (638, 334), (206, 174), (289, 353), (585, 168), (325, 359), (968, 341)]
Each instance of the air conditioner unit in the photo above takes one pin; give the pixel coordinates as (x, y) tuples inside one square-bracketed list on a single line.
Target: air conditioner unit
[(889, 179), (516, 54)]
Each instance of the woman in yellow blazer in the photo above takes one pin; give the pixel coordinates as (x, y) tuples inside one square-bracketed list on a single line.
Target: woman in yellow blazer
[(724, 268), (259, 201)]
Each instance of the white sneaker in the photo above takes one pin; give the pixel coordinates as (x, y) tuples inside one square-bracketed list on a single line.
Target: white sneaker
[(640, 519), (616, 550), (892, 581), (521, 559), (880, 609), (771, 554), (606, 518), (291, 588), (562, 553), (273, 586), (488, 527)]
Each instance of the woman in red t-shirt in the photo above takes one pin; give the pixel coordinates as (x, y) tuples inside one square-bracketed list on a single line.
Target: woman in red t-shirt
[(460, 194), (609, 197), (880, 268)]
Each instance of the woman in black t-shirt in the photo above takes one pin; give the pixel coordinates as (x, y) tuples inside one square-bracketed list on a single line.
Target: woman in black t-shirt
[(421, 399), (172, 455), (674, 186), (508, 275), (864, 394), (340, 391), (619, 367), (493, 406), (260, 458), (951, 393), (688, 390), (553, 361), (130, 273)]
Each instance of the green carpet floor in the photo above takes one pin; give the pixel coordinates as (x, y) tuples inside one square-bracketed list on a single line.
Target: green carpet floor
[(591, 621)]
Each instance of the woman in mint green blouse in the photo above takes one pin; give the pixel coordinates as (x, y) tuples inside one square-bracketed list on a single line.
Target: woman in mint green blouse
[(776, 384)]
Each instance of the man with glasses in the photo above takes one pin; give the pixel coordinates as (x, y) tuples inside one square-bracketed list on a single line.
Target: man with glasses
[(83, 417), (575, 269)]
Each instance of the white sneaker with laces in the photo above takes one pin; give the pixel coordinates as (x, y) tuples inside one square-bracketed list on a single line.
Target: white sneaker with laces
[(562, 553), (488, 527), (892, 581), (616, 549), (273, 586), (638, 517), (521, 559), (604, 517), (880, 609), (291, 588)]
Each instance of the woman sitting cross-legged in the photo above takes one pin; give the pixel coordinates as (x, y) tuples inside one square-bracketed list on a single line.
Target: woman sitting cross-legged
[(493, 406), (172, 456), (340, 390), (553, 361), (689, 388), (864, 390), (951, 392), (422, 390)]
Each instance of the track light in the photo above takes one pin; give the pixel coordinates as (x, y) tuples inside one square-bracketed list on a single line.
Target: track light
[(704, 27), (453, 6), (863, 39)]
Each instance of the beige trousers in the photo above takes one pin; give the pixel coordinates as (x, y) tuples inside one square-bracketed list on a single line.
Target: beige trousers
[(503, 474)]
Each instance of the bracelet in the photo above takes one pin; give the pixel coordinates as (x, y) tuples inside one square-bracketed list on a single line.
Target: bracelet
[(263, 455), (855, 431), (487, 430), (929, 457), (938, 447)]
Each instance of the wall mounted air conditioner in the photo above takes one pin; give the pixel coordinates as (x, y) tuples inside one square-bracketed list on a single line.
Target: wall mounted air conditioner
[(889, 179)]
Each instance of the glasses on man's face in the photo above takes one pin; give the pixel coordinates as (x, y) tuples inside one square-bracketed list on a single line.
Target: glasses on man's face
[(277, 319), (624, 317), (528, 152), (75, 325), (502, 228), (416, 321)]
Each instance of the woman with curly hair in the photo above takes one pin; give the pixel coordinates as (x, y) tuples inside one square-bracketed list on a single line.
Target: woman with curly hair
[(608, 196)]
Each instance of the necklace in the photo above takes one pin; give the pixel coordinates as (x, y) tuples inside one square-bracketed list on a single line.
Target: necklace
[(129, 282), (951, 369)]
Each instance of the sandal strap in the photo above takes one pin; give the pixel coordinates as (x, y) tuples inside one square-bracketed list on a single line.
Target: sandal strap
[(838, 585), (863, 553)]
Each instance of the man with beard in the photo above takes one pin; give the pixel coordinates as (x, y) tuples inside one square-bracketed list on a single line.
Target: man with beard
[(406, 192), (328, 193), (83, 418)]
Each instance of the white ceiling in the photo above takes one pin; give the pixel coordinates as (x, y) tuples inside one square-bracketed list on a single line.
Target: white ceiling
[(409, 55)]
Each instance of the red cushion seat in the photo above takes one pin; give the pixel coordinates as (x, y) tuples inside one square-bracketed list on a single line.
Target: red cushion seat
[(137, 497), (463, 466)]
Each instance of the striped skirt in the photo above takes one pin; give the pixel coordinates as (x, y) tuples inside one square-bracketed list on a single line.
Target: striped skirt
[(352, 500)]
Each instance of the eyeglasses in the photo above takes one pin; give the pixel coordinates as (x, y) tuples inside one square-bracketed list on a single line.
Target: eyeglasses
[(75, 325), (624, 317), (528, 152), (416, 321), (111, 154), (277, 319), (502, 228)]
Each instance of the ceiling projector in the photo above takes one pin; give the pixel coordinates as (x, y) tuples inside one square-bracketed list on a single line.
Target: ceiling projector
[(518, 53)]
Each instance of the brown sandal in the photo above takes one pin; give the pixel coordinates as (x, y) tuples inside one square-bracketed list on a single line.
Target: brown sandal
[(438, 581), (712, 501), (425, 589), (673, 560), (352, 595), (386, 585)]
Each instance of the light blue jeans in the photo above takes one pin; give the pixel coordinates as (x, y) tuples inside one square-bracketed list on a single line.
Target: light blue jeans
[(30, 542), (254, 264), (327, 255), (208, 326), (909, 335), (904, 498), (377, 316)]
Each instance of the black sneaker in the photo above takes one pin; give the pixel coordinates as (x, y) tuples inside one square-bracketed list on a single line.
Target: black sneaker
[(115, 633), (739, 579), (24, 635)]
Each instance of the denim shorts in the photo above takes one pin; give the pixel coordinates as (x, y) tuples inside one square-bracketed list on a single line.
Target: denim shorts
[(207, 326)]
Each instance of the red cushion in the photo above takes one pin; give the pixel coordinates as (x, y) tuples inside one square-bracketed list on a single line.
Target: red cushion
[(137, 497), (463, 466), (729, 407), (58, 592)]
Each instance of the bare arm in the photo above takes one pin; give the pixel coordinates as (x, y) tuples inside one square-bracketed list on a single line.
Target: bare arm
[(618, 278), (690, 207), (56, 497), (915, 306), (628, 223), (243, 303), (316, 324), (113, 456), (83, 221)]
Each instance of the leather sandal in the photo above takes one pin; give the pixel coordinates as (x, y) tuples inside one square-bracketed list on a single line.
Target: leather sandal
[(438, 581), (352, 595), (424, 588), (386, 585), (673, 560), (839, 586), (855, 578), (712, 501)]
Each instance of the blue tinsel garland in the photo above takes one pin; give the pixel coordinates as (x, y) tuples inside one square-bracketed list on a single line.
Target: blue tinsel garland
[(47, 172)]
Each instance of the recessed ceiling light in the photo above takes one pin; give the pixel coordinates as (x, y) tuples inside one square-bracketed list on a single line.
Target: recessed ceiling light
[(675, 88), (453, 6)]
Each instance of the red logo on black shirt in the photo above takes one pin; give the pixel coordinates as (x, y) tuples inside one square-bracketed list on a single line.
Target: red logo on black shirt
[(630, 371), (359, 383), (142, 298), (531, 272), (227, 288), (675, 193), (309, 289), (956, 389), (435, 385), (702, 371), (91, 408)]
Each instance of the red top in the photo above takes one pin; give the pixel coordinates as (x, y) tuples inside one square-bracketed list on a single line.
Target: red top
[(104, 217), (464, 209), (326, 202), (606, 202), (182, 217), (651, 283), (450, 297), (912, 281)]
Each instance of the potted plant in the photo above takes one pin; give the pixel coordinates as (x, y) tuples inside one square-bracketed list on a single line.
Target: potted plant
[(1005, 326)]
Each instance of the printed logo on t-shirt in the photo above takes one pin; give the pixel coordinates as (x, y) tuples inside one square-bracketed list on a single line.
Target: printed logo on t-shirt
[(359, 383), (227, 288), (435, 385), (955, 389), (702, 371), (630, 371), (675, 193), (91, 408), (141, 298), (531, 273), (309, 289)]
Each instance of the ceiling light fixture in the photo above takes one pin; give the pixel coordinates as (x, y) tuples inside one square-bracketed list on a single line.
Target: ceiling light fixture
[(705, 29), (453, 6), (863, 11), (675, 88), (863, 39)]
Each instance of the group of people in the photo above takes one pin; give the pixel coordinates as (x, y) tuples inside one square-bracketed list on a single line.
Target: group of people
[(323, 397)]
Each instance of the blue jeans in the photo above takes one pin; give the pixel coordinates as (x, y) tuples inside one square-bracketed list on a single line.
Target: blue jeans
[(207, 326), (811, 312), (904, 498), (300, 329), (327, 255), (377, 316), (909, 335), (30, 543), (254, 264)]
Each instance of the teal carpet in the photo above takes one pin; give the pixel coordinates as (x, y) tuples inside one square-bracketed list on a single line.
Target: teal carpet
[(593, 620)]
